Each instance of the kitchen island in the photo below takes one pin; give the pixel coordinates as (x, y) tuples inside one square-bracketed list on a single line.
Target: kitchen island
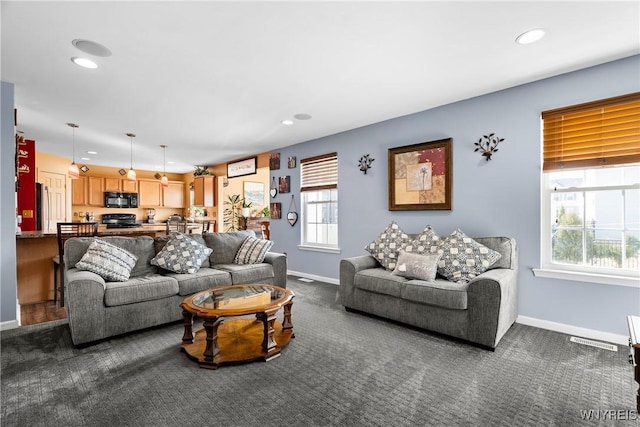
[(35, 251)]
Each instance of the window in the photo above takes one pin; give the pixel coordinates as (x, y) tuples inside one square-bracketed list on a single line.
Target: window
[(591, 191), (319, 195)]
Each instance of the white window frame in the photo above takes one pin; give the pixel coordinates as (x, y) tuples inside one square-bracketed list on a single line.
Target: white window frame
[(305, 244)]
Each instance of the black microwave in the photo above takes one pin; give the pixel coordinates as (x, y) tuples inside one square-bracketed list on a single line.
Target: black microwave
[(120, 200)]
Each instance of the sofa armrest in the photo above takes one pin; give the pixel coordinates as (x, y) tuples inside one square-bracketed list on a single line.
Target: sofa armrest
[(348, 269), (84, 296), (279, 263), (492, 304)]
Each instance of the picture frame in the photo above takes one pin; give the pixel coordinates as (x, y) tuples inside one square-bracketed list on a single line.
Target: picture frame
[(253, 193), (242, 167), (276, 210), (291, 162), (420, 176), (284, 184), (274, 161)]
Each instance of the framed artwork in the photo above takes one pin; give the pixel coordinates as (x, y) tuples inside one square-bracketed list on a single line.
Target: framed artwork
[(420, 176), (276, 210), (254, 193), (242, 167), (284, 184), (291, 162), (274, 161)]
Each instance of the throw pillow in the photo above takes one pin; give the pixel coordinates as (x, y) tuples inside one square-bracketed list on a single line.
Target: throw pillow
[(110, 262), (425, 243), (386, 246), (181, 254), (463, 258), (414, 266), (252, 251)]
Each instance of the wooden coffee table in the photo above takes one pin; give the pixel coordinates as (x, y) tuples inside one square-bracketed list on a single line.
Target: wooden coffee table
[(239, 324)]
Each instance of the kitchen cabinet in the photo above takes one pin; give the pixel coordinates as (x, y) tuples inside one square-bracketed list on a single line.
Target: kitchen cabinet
[(87, 191), (149, 194), (204, 191), (120, 185), (173, 195)]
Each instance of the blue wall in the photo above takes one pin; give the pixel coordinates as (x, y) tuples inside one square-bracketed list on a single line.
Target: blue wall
[(499, 197), (8, 281)]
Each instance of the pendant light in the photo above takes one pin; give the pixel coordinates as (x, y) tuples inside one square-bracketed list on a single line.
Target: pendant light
[(73, 172), (164, 181), (131, 175)]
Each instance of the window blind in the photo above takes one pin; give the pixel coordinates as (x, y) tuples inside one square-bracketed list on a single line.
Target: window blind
[(599, 133), (319, 172)]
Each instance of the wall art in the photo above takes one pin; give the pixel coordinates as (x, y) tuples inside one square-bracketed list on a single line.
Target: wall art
[(291, 162), (420, 176), (273, 190), (242, 167), (276, 210), (292, 213), (284, 184), (253, 193), (274, 161)]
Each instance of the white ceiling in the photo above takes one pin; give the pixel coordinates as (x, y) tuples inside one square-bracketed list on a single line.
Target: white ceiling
[(213, 80)]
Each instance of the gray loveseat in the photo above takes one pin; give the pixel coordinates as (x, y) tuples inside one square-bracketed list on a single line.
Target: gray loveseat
[(480, 311), (99, 309)]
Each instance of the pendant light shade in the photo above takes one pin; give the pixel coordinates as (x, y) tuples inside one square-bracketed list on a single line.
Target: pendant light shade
[(73, 172), (164, 181), (131, 175)]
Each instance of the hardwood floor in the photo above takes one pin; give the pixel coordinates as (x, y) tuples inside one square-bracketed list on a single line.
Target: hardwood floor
[(41, 312)]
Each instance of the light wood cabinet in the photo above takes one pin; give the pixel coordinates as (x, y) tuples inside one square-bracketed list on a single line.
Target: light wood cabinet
[(95, 191), (78, 191), (120, 185), (173, 195), (204, 191), (149, 194)]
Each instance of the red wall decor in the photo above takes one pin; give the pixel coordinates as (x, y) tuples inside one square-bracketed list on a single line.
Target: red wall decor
[(26, 157)]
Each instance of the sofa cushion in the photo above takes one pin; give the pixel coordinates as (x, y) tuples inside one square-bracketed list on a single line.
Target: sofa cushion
[(248, 273), (160, 241), (441, 293), (226, 245), (424, 243), (137, 289), (379, 281), (181, 254), (108, 261), (505, 246), (252, 251), (140, 246), (463, 258), (386, 246), (416, 266), (201, 280)]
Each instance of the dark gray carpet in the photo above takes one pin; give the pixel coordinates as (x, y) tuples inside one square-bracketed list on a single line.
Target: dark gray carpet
[(342, 369)]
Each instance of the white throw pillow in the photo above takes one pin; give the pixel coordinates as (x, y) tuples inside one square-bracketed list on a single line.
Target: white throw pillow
[(181, 254), (110, 262), (463, 258), (415, 266), (252, 251), (386, 246)]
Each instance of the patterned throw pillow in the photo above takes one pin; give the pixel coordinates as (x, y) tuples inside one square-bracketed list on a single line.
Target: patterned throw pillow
[(110, 262), (181, 255), (425, 243), (414, 266), (463, 258), (252, 251), (387, 245)]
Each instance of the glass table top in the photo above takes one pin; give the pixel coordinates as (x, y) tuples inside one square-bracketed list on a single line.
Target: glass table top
[(237, 297)]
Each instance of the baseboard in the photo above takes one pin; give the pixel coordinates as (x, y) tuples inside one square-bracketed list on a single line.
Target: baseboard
[(574, 330), (313, 277), (9, 324)]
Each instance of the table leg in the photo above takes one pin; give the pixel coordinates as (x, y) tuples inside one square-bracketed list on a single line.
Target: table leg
[(187, 337), (269, 346), (211, 350), (286, 322)]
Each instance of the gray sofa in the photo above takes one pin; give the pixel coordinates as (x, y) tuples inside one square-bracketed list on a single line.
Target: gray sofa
[(98, 309), (480, 311)]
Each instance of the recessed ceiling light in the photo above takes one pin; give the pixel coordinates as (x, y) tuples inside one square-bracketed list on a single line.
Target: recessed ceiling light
[(85, 158), (84, 62), (169, 162), (92, 48), (302, 116), (287, 122), (530, 36), (92, 152)]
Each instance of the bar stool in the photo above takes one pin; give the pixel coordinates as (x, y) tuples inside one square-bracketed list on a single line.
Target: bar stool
[(67, 230)]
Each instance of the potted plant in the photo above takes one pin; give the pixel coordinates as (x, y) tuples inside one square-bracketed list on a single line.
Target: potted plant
[(265, 212), (231, 213), (246, 208)]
